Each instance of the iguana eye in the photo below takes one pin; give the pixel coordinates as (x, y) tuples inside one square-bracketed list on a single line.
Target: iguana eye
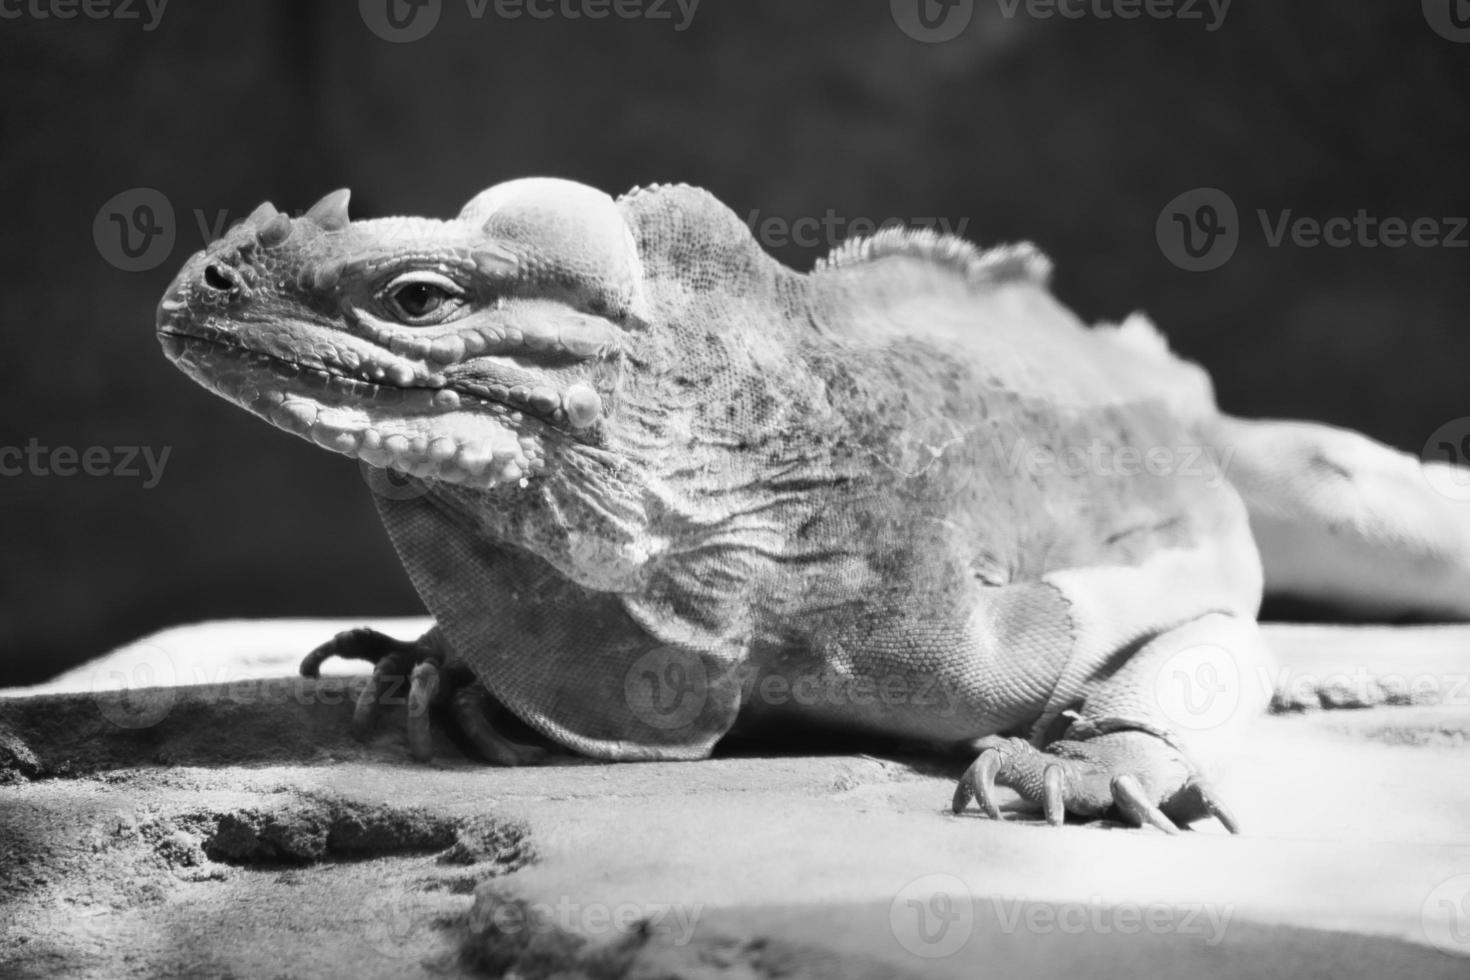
[(422, 298)]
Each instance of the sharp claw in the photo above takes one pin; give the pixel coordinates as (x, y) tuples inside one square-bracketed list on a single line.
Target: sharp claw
[(1214, 807), (389, 671), (311, 664), (1130, 798), (978, 783), (365, 714), (1051, 796), (362, 643), (962, 793), (469, 708), (982, 780), (423, 685)]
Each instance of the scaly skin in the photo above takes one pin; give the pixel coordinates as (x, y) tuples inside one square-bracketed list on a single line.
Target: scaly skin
[(662, 484)]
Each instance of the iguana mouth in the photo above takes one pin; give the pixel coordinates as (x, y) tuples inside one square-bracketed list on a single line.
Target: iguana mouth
[(432, 433)]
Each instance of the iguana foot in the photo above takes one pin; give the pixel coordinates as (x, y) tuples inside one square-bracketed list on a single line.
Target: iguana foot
[(1135, 775), (421, 662)]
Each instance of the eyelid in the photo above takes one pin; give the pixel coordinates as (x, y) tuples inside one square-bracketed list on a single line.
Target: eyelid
[(424, 277)]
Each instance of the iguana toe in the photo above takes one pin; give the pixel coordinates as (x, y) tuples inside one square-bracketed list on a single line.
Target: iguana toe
[(354, 644), (1135, 776), (387, 681), (1133, 803), (472, 708), (423, 687)]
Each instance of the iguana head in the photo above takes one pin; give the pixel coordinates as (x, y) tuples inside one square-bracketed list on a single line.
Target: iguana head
[(453, 350)]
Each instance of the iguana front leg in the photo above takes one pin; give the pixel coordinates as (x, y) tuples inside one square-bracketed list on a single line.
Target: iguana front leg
[(1157, 686), (1127, 750), (422, 663)]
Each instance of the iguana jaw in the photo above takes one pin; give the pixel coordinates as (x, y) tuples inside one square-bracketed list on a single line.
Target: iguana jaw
[(277, 317), (430, 433)]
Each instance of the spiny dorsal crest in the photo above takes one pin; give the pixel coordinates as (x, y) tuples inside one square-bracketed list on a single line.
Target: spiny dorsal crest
[(1021, 262)]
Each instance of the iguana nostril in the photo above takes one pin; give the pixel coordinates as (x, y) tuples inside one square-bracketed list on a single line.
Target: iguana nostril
[(216, 277)]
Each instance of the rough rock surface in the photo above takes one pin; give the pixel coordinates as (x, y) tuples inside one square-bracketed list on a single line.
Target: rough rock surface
[(225, 824)]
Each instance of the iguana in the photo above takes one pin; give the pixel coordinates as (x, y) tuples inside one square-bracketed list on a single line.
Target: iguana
[(658, 485)]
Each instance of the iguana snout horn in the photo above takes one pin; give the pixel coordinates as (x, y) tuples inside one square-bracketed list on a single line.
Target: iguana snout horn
[(330, 213)]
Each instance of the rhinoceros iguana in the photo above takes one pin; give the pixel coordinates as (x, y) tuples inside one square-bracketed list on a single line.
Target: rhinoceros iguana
[(660, 487)]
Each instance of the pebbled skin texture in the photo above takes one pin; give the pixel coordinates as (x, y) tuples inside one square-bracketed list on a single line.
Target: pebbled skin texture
[(660, 486)]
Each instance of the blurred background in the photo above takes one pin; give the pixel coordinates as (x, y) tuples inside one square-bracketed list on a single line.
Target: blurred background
[(811, 118)]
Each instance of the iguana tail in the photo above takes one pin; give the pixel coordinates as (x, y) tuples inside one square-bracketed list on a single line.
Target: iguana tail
[(1349, 525)]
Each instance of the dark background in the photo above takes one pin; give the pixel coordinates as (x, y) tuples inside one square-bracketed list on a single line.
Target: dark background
[(1073, 133)]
